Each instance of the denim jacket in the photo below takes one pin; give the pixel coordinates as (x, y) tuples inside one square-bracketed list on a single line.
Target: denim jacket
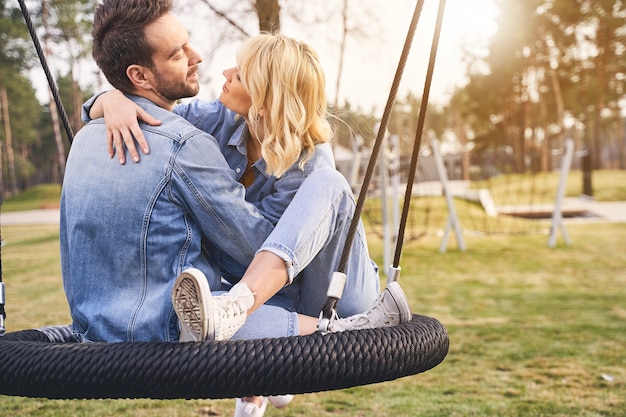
[(128, 231)]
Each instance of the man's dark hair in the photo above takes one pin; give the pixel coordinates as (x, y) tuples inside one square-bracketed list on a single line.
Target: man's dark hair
[(119, 36)]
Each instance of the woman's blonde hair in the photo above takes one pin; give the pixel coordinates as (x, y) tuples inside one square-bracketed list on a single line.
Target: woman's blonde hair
[(286, 84)]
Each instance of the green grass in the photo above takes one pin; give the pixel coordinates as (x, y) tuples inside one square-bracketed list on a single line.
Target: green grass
[(533, 331), (540, 188), (38, 197)]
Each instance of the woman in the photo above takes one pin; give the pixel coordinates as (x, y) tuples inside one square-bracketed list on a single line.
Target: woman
[(272, 125)]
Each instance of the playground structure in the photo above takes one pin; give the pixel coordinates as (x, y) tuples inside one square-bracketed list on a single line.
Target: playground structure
[(502, 204)]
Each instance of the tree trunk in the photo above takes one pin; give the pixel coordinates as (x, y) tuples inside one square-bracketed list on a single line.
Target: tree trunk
[(269, 15), (58, 138), (621, 142), (459, 121), (4, 103), (560, 110), (600, 67), (77, 102), (342, 49)]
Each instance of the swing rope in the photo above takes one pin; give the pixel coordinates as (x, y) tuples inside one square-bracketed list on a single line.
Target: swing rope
[(331, 302), (418, 134), (384, 122), (46, 70)]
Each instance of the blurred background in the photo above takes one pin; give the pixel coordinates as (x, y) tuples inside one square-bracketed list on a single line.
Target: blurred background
[(512, 82)]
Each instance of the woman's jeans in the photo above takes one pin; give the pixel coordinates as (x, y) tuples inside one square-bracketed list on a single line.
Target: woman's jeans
[(310, 237)]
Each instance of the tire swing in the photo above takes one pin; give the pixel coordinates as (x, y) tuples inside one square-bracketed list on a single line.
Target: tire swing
[(50, 363)]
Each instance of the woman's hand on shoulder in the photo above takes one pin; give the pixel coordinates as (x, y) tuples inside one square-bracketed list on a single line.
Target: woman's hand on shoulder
[(121, 118)]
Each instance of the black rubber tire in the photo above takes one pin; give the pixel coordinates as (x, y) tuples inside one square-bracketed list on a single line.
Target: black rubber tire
[(32, 365)]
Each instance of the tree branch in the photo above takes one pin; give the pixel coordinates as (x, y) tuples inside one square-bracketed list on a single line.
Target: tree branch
[(228, 19)]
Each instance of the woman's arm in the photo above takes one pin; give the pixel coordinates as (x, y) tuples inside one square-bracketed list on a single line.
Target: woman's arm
[(122, 126)]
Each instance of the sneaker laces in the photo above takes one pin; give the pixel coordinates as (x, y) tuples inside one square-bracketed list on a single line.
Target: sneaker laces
[(373, 318), (231, 312), (379, 315), (230, 305)]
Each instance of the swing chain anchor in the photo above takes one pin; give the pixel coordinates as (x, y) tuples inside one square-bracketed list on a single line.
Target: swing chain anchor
[(335, 290)]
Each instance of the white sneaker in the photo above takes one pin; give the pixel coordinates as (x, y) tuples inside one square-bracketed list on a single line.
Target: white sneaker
[(390, 308), (203, 316), (247, 409), (280, 401)]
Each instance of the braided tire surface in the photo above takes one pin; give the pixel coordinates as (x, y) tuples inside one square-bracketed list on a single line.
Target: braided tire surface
[(31, 365)]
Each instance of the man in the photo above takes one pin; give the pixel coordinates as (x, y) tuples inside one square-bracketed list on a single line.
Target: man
[(127, 231)]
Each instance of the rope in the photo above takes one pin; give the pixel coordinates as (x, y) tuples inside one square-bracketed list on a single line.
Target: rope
[(46, 70), (331, 302), (418, 134), (380, 136)]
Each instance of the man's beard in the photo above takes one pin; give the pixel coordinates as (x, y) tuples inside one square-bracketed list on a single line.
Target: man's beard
[(176, 90)]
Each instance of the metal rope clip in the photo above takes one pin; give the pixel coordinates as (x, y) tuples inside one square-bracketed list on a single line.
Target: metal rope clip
[(3, 330), (394, 274), (334, 293)]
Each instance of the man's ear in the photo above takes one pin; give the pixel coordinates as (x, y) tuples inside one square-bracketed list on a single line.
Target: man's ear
[(140, 76)]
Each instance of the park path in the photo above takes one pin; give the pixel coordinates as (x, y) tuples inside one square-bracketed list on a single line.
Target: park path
[(612, 211), (46, 216)]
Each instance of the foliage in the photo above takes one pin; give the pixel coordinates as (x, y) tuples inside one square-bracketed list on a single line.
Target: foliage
[(15, 50), (556, 73), (65, 24), (37, 197)]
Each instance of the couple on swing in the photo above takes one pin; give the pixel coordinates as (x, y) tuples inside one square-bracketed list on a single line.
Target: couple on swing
[(235, 207)]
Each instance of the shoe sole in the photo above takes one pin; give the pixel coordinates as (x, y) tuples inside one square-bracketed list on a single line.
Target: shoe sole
[(396, 292), (256, 411), (280, 401), (193, 303)]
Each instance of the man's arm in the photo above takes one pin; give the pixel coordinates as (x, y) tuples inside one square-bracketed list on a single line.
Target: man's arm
[(207, 186)]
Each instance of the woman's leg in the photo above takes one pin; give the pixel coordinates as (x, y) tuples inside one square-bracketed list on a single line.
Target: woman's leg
[(270, 321), (310, 238), (306, 245)]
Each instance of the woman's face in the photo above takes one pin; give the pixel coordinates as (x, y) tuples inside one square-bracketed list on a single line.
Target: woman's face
[(233, 95)]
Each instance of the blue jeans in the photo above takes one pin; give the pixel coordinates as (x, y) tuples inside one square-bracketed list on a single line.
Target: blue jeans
[(310, 237)]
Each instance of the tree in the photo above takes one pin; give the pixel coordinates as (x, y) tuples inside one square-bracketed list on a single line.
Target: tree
[(34, 159), (232, 22), (72, 35), (596, 58), (564, 58), (66, 23), (15, 58)]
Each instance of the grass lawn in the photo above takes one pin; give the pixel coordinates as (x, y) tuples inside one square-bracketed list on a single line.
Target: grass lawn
[(534, 331)]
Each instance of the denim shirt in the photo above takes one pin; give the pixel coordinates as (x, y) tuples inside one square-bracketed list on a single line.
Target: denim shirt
[(269, 194), (128, 230)]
